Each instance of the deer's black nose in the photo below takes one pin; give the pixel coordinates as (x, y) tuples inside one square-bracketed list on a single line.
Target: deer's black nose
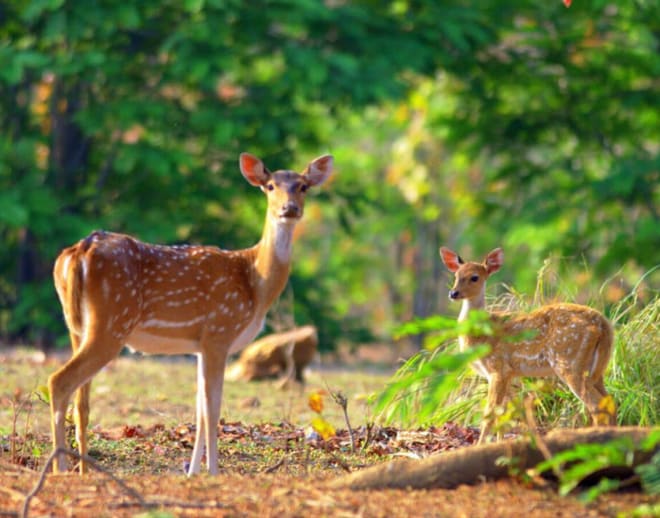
[(453, 294), (290, 210)]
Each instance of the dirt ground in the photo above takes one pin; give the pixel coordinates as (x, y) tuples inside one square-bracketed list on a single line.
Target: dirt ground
[(142, 440), (276, 494), (275, 470)]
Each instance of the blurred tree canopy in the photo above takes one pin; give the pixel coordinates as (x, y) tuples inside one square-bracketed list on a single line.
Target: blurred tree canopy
[(476, 124)]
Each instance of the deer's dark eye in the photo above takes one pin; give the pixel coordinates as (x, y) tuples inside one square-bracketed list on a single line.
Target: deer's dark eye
[(474, 278), (270, 186), (303, 188)]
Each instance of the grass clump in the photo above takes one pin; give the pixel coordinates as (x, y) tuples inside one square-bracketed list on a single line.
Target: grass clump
[(633, 377)]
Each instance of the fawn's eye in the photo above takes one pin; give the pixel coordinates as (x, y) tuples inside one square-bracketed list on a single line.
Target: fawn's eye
[(270, 186), (303, 188), (474, 278)]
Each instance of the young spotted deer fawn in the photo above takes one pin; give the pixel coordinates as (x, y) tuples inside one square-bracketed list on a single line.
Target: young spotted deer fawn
[(568, 341), (116, 291)]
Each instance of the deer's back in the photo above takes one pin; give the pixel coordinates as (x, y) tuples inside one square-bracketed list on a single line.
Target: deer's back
[(167, 289), (549, 338)]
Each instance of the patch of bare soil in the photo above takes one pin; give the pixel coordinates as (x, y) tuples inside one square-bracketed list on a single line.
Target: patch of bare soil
[(269, 469), (275, 494), (276, 470)]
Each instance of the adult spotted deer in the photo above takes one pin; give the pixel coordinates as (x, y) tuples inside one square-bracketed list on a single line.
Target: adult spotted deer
[(116, 291), (569, 341)]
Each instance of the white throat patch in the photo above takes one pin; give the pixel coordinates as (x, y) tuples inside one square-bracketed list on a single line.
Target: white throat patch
[(283, 233)]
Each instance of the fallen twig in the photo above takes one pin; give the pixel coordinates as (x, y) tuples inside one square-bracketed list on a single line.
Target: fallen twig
[(275, 466), (183, 504), (15, 467), (93, 463), (343, 465), (140, 500)]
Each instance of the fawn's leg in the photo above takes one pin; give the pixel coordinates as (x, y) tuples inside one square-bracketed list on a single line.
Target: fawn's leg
[(603, 415), (498, 385), (590, 392)]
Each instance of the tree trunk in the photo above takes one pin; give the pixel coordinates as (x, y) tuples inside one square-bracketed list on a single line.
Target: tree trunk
[(472, 464)]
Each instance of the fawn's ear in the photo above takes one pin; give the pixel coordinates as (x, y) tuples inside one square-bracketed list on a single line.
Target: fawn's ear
[(253, 170), (494, 260), (319, 170), (451, 259)]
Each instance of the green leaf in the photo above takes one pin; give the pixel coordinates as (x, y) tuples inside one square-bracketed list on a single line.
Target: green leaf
[(430, 379), (650, 475), (13, 213)]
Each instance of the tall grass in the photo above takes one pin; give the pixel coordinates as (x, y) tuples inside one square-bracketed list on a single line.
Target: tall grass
[(633, 376)]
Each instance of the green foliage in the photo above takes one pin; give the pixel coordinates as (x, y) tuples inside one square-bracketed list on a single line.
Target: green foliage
[(474, 124), (551, 119), (634, 374), (586, 459), (650, 475), (423, 384), (439, 328), (576, 464), (131, 117), (632, 377)]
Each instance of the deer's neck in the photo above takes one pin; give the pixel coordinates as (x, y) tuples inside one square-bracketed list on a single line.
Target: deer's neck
[(272, 260), (478, 302), (467, 306)]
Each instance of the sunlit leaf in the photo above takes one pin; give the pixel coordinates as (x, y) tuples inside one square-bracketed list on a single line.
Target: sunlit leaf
[(315, 402), (323, 427), (606, 410)]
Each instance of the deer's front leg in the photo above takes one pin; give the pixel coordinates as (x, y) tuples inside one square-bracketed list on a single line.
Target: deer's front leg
[(210, 373), (498, 385), (215, 376), (200, 422)]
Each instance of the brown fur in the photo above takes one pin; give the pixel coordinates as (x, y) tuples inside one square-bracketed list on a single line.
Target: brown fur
[(116, 290), (568, 341), (268, 356)]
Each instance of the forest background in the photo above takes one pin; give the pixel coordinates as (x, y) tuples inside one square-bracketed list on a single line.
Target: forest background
[(473, 124)]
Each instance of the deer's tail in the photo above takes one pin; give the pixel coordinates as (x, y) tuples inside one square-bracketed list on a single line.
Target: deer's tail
[(69, 277), (603, 350)]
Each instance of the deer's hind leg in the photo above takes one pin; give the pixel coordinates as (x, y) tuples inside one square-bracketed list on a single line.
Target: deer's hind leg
[(81, 418), (590, 392), (91, 354), (602, 414)]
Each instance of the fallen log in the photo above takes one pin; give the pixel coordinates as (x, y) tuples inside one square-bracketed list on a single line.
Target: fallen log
[(275, 355), (476, 463)]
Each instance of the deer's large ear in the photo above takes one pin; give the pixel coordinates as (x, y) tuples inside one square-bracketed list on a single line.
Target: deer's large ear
[(319, 170), (494, 260), (253, 170), (451, 259)]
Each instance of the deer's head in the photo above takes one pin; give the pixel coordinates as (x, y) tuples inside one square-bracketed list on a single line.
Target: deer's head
[(285, 190), (470, 277)]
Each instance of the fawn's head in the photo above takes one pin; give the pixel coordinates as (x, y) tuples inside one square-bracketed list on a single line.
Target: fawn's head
[(470, 277), (285, 189)]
